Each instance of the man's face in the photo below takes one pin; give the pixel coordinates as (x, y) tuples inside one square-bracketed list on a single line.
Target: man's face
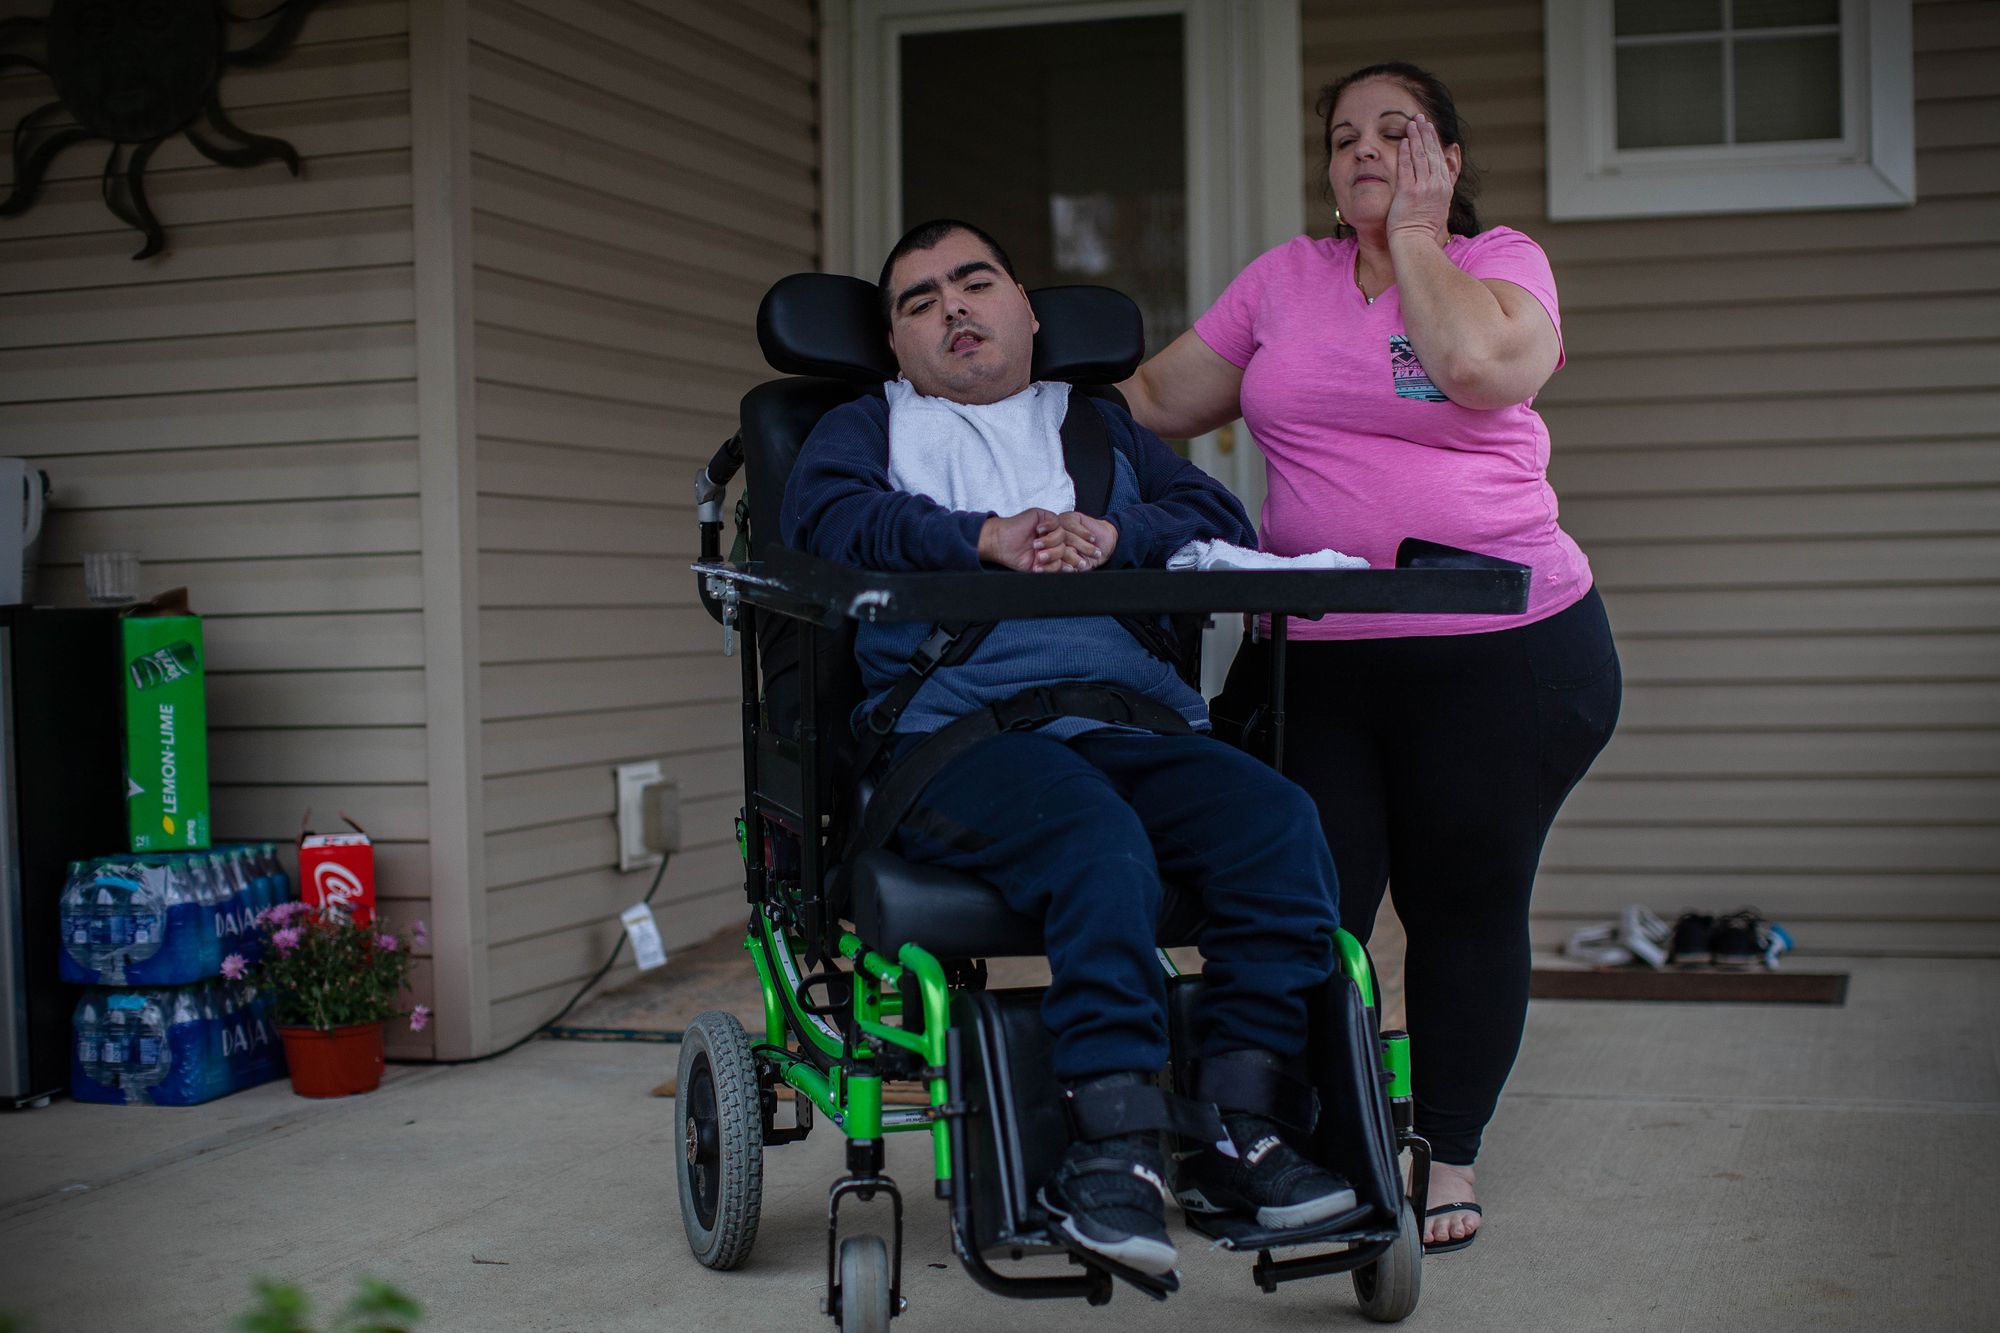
[(961, 328)]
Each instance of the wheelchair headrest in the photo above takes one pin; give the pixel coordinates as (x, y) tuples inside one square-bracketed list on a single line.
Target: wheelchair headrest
[(830, 325)]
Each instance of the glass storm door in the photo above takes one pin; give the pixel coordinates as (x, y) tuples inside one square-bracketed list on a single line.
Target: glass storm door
[(1065, 141), (1147, 145)]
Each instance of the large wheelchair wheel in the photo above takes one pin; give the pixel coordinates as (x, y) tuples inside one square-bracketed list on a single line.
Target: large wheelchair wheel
[(1389, 1287), (719, 1141), (864, 1285)]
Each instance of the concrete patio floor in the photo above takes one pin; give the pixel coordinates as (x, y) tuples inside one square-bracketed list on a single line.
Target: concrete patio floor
[(1652, 1167)]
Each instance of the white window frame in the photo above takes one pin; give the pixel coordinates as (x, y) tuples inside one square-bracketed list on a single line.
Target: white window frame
[(1872, 164)]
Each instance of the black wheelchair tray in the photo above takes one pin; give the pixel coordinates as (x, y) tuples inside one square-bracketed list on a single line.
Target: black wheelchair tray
[(1428, 579)]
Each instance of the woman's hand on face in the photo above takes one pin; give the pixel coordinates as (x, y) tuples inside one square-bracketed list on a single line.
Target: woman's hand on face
[(1424, 181)]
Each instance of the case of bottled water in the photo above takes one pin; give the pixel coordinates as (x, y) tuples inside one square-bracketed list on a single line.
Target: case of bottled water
[(173, 1046), (166, 919)]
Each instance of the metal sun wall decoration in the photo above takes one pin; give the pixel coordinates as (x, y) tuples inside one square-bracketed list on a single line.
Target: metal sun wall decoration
[(137, 72)]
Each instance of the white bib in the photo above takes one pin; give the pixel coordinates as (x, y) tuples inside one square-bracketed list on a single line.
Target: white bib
[(1002, 457)]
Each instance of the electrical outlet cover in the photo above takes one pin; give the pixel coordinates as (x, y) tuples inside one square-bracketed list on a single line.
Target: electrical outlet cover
[(633, 779), (661, 803)]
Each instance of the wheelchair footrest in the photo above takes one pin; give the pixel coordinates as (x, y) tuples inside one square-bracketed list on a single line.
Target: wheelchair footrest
[(1040, 1239), (1230, 1232), (1158, 1286)]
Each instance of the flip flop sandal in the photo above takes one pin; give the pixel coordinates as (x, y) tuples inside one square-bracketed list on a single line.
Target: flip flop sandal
[(1447, 1246)]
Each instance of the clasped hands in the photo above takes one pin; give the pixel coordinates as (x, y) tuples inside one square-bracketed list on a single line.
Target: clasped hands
[(1039, 541)]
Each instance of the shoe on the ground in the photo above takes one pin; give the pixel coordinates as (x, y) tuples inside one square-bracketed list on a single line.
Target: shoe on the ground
[(1266, 1178), (1597, 945), (1739, 939), (1777, 941), (1109, 1196), (1646, 936), (1694, 939)]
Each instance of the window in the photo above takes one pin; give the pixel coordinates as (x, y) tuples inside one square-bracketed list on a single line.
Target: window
[(1669, 107)]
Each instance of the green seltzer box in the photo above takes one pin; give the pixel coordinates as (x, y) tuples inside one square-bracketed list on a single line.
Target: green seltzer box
[(166, 733)]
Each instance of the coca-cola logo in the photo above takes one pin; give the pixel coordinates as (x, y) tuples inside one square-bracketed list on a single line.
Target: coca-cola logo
[(336, 884)]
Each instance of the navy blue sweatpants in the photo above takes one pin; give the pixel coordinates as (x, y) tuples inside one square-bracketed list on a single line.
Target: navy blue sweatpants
[(1079, 833)]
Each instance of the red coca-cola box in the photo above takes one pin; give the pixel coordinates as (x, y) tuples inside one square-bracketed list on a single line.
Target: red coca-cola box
[(337, 871)]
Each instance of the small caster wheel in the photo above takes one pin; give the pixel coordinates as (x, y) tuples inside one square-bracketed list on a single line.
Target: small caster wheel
[(1389, 1287), (864, 1285), (719, 1141)]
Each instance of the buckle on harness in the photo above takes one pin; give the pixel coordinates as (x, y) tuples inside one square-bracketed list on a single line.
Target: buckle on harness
[(882, 718), (1028, 709), (932, 650)]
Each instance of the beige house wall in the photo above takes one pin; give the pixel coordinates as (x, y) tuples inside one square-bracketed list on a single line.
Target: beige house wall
[(641, 174), (418, 430), (242, 411), (1776, 438)]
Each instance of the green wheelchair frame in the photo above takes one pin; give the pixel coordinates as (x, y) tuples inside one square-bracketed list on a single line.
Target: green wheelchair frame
[(853, 1101), (896, 1014)]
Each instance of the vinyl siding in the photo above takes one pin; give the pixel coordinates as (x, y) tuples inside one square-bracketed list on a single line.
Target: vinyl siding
[(630, 206), (241, 411), (1775, 438)]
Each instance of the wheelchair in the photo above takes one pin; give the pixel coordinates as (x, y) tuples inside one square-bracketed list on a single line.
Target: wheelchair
[(874, 969)]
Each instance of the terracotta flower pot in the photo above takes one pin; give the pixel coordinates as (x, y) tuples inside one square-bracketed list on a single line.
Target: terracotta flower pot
[(334, 1062)]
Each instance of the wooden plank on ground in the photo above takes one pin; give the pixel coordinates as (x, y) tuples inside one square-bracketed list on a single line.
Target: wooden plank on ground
[(1688, 986)]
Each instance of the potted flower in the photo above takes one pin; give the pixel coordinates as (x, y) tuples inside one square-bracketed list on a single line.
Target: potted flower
[(333, 982)]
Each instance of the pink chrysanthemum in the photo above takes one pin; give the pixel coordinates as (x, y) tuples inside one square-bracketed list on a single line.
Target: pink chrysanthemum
[(286, 939), (420, 1018), (419, 936), (387, 943), (233, 967)]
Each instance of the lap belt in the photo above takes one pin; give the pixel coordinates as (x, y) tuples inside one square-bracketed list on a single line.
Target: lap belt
[(1021, 712), (1252, 1081), (1140, 1108)]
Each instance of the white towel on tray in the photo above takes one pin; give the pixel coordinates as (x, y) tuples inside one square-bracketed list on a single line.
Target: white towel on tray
[(1224, 555)]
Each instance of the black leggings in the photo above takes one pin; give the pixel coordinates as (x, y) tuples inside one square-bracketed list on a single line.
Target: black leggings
[(1439, 763)]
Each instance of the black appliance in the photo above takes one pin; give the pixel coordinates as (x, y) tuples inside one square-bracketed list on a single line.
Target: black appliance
[(62, 799)]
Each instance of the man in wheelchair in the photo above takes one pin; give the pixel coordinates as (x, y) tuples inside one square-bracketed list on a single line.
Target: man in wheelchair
[(1077, 809)]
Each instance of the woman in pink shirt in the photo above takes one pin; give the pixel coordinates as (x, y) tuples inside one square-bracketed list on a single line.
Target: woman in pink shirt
[(1389, 375)]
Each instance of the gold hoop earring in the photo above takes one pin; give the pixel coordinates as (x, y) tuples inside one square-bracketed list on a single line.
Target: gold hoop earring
[(1338, 220)]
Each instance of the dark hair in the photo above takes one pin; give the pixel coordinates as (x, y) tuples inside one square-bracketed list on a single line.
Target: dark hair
[(1435, 99), (925, 235)]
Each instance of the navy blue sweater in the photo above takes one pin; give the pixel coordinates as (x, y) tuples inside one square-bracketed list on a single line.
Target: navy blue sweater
[(839, 505)]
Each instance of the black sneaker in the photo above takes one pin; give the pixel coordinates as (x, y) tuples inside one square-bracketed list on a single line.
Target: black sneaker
[(1739, 939), (1267, 1179), (1110, 1197), (1694, 936)]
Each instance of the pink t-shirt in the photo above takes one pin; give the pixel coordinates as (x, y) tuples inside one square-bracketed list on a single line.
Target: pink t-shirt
[(1365, 451)]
